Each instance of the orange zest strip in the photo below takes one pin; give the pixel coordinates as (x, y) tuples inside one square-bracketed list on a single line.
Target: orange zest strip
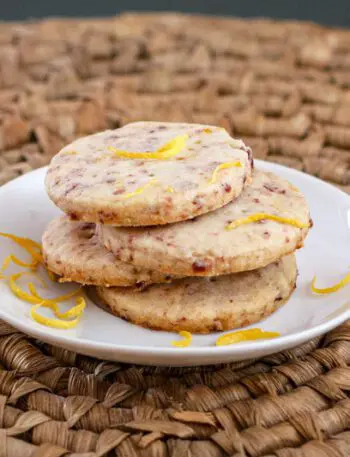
[(32, 247), (334, 288), (261, 216), (12, 258), (18, 291), (165, 152), (22, 241), (244, 335), (75, 311), (176, 143), (36, 255), (34, 297), (34, 292), (60, 323), (222, 167), (140, 189), (185, 342)]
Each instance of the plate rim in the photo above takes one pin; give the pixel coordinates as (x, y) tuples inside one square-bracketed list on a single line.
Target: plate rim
[(272, 345)]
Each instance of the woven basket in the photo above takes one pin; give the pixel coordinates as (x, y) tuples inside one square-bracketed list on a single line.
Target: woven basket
[(284, 88)]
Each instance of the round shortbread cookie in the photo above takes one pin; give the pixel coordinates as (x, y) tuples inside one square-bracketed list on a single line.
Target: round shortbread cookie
[(204, 246), (73, 251), (90, 181), (203, 305)]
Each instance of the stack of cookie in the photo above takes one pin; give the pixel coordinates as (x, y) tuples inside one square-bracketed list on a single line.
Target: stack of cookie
[(174, 227)]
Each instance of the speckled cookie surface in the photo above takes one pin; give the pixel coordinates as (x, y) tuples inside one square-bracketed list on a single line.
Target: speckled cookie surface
[(73, 251), (204, 247), (89, 180), (202, 305)]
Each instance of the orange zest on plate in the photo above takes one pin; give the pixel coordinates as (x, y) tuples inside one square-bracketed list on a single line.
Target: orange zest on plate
[(64, 320), (34, 297), (32, 247), (223, 166), (186, 341), (18, 291), (328, 290), (245, 335), (21, 241), (261, 216), (168, 150), (12, 258)]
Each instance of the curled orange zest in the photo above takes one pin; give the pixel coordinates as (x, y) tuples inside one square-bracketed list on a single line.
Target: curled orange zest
[(60, 323), (32, 247), (75, 311), (18, 291), (34, 297), (140, 189), (22, 241), (261, 216), (244, 335), (328, 290), (222, 167), (12, 258), (185, 342), (165, 152)]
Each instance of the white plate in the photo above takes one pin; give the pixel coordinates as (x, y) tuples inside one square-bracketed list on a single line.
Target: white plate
[(25, 210)]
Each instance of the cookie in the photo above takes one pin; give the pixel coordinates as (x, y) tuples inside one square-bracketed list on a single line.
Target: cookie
[(204, 246), (148, 173), (203, 305), (73, 251)]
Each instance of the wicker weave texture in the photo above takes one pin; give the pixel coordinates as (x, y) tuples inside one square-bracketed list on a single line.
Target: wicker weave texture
[(294, 404), (283, 87)]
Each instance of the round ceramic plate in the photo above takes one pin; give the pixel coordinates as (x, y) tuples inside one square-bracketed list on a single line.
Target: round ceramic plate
[(25, 210)]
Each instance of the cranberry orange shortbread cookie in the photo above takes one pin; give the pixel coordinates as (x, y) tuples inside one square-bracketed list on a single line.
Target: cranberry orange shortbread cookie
[(148, 173), (73, 251), (269, 220), (202, 305)]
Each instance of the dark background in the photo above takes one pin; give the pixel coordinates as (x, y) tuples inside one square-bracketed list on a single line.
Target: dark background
[(336, 13)]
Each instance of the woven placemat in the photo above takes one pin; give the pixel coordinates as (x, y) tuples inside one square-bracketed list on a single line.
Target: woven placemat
[(284, 88), (293, 404)]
